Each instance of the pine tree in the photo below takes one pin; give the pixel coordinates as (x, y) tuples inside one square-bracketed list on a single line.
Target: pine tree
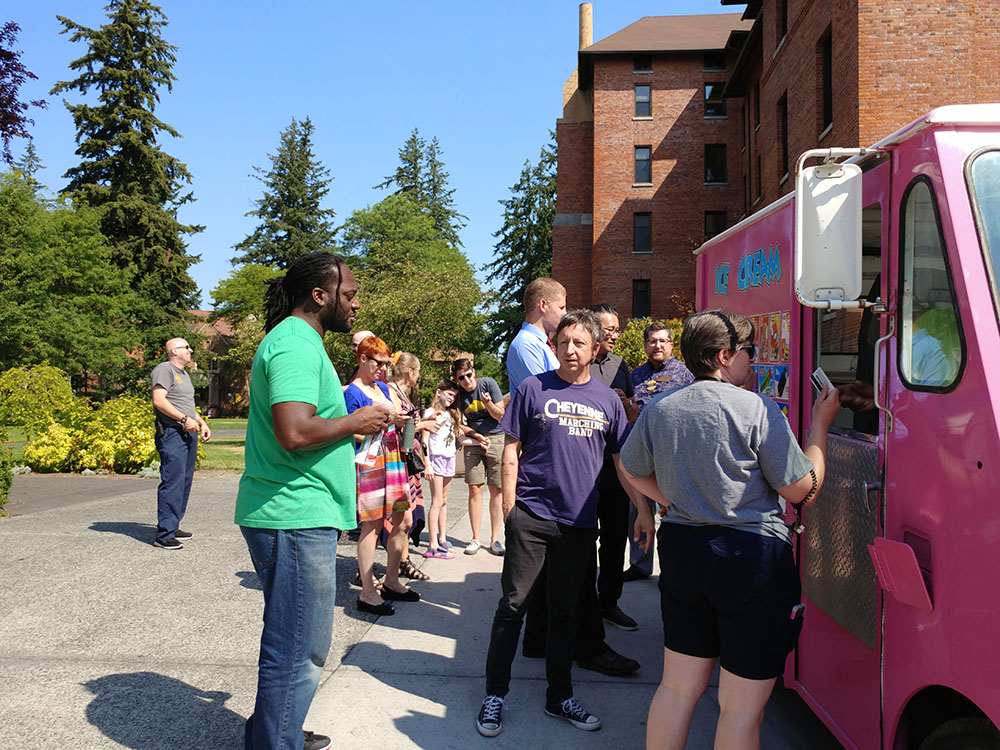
[(293, 223), (123, 173), (13, 122), (421, 177), (29, 165), (523, 251)]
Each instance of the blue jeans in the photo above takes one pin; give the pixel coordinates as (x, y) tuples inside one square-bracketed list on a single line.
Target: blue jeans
[(178, 452), (297, 569)]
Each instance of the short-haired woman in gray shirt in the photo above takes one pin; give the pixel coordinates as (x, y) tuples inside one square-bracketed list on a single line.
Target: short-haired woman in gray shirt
[(719, 456)]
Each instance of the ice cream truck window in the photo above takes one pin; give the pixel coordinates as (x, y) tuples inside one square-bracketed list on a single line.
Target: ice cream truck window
[(984, 185), (930, 348)]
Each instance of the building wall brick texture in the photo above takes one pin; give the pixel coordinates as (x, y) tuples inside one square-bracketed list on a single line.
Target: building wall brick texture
[(892, 61)]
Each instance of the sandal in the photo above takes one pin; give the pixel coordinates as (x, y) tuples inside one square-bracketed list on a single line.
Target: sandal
[(439, 553), (407, 570)]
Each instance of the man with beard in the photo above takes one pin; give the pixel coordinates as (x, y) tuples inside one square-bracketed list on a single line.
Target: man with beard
[(298, 489), (660, 373)]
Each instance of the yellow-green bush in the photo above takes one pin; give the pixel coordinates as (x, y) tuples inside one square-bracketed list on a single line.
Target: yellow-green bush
[(5, 468), (31, 396), (116, 437)]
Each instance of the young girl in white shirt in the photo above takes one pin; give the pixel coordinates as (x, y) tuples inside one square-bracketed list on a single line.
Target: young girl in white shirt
[(440, 448)]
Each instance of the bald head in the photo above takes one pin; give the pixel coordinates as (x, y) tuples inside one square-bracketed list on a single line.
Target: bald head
[(357, 338), (178, 352)]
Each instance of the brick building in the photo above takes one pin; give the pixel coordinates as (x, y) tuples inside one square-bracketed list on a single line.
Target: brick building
[(676, 127)]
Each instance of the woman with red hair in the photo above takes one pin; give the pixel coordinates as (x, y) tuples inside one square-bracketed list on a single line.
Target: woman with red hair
[(383, 489)]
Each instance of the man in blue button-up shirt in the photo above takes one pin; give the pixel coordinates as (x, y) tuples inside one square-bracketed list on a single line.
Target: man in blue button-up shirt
[(529, 352)]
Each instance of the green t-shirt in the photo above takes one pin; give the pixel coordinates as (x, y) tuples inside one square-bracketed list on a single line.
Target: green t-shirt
[(304, 489)]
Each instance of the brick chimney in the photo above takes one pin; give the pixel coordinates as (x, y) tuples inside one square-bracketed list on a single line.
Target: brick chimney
[(586, 25)]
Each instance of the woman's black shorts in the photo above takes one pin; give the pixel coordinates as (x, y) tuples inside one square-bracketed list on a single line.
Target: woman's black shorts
[(729, 594)]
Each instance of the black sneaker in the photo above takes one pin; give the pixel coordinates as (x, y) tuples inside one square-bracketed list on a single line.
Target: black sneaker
[(168, 544), (313, 741), (490, 719), (610, 663), (181, 534), (634, 574), (571, 710), (615, 616)]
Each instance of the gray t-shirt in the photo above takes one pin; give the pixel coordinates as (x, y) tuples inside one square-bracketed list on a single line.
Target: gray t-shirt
[(474, 410), (180, 391), (718, 453)]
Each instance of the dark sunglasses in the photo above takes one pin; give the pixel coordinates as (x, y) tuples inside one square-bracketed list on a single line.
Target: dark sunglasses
[(751, 350)]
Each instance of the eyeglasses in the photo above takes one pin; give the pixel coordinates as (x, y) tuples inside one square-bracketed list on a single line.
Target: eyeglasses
[(612, 331), (380, 363), (189, 348), (751, 350), (466, 376)]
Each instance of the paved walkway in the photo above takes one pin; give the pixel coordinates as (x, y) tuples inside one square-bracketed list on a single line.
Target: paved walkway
[(107, 642)]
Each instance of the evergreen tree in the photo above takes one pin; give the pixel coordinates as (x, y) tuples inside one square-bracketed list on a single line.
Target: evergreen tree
[(28, 165), (13, 120), (421, 177), (293, 223), (134, 185), (523, 251)]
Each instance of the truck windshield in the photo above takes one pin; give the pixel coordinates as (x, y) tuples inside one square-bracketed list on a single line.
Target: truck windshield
[(984, 181)]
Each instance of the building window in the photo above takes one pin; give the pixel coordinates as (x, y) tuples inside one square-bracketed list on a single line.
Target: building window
[(643, 167), (715, 105), (782, 20), (641, 298), (826, 80), (756, 106), (783, 133), (715, 163), (643, 102), (759, 181), (642, 232), (714, 61), (642, 63), (715, 223)]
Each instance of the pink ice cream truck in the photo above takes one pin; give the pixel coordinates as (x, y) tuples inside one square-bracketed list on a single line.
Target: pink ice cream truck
[(883, 269)]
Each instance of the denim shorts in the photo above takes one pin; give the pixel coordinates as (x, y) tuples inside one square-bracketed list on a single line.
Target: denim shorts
[(729, 594)]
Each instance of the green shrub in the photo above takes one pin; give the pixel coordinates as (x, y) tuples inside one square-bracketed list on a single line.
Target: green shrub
[(30, 397), (116, 437), (5, 468), (630, 344)]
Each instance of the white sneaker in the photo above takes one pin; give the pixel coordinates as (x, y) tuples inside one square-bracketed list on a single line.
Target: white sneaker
[(472, 547)]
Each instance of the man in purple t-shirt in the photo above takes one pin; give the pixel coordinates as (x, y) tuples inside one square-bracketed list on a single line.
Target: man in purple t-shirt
[(558, 425)]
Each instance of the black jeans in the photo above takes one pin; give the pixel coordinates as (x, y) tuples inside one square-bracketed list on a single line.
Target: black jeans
[(531, 543), (612, 512)]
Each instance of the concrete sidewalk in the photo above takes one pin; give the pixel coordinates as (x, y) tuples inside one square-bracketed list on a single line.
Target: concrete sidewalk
[(107, 642)]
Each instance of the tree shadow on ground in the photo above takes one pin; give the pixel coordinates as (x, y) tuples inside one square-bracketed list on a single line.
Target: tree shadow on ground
[(141, 532), (149, 711)]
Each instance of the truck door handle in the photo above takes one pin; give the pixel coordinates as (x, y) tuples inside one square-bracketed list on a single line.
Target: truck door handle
[(876, 386), (867, 488)]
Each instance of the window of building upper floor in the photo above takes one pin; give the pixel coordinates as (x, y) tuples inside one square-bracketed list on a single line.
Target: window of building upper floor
[(642, 232), (714, 61), (641, 298), (715, 163), (783, 136), (643, 165), (643, 100), (716, 107), (931, 348), (642, 63), (825, 51), (715, 223)]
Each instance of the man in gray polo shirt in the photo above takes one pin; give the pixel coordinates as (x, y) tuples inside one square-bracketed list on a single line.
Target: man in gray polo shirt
[(177, 429)]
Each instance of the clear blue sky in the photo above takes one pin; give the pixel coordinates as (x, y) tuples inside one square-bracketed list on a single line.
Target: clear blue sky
[(486, 78)]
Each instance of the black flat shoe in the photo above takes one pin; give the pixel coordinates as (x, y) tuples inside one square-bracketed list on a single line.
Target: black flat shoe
[(407, 596), (376, 609)]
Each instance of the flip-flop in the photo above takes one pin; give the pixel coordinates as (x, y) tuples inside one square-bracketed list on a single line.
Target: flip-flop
[(440, 554)]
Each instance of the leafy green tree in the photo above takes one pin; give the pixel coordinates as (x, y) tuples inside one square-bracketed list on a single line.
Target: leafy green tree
[(421, 176), (135, 186), (292, 220), (523, 251), (28, 165), (239, 298), (13, 112), (419, 293), (62, 299)]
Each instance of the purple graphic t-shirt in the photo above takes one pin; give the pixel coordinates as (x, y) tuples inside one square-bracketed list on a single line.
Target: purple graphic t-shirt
[(563, 429)]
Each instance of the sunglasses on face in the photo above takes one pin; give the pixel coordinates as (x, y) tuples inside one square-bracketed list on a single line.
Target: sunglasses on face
[(751, 350), (466, 376), (380, 363)]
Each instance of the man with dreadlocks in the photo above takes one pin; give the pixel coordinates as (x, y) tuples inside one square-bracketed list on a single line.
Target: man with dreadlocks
[(298, 489)]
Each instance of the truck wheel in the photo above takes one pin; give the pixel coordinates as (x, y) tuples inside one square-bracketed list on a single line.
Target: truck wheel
[(965, 733)]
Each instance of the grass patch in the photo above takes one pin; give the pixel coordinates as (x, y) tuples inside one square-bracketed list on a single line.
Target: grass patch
[(15, 435), (224, 452), (234, 423)]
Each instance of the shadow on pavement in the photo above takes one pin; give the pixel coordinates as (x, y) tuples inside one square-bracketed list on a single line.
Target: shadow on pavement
[(249, 580), (141, 532), (149, 711)]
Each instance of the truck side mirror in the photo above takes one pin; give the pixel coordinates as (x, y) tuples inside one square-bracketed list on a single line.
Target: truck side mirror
[(828, 230)]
